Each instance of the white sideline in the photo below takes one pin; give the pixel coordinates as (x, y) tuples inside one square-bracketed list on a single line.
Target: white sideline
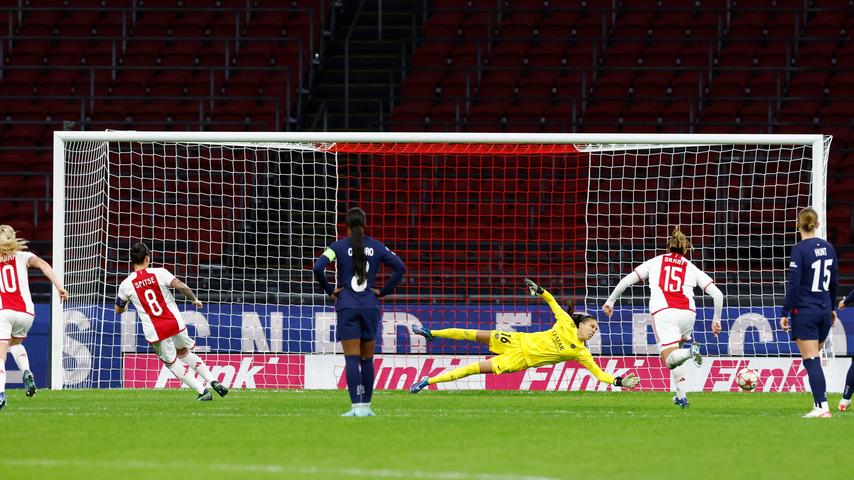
[(272, 469)]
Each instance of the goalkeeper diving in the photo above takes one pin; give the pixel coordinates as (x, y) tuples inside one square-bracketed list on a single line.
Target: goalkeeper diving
[(516, 351)]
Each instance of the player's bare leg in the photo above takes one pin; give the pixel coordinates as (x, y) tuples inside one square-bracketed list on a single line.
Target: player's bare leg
[(19, 354), (198, 365), (4, 349), (675, 358), (484, 366)]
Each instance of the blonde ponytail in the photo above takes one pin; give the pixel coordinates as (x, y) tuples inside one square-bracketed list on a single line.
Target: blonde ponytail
[(9, 242), (678, 243), (808, 219)]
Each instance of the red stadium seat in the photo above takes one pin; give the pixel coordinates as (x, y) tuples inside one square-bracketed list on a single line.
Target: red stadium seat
[(537, 86), (458, 84), (634, 26), (471, 54), (738, 54), (168, 84), (508, 54), (653, 83), (38, 23), (432, 55), (745, 24), (421, 84), (28, 53), (808, 84), (661, 54), (825, 24), (730, 84), (499, 85), (706, 25), (671, 26), (767, 84), (625, 54), (557, 25), (519, 25), (613, 84), (549, 55), (815, 54)]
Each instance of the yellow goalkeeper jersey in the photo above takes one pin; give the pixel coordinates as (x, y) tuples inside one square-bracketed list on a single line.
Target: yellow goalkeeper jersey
[(560, 344)]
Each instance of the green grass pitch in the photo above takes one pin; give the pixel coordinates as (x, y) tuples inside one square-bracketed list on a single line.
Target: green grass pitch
[(101, 434)]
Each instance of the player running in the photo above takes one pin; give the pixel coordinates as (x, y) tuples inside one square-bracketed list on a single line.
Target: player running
[(16, 305), (519, 351), (162, 323), (672, 279), (810, 292), (357, 312)]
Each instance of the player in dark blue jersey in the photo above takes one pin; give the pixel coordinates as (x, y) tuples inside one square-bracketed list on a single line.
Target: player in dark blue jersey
[(357, 312), (848, 391), (810, 293)]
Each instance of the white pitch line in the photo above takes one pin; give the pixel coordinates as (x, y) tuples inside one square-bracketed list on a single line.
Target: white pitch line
[(272, 469)]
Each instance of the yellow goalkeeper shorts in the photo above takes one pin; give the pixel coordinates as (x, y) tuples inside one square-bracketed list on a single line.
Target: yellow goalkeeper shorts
[(508, 347)]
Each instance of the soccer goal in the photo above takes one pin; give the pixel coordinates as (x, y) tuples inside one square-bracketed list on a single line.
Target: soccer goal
[(241, 217)]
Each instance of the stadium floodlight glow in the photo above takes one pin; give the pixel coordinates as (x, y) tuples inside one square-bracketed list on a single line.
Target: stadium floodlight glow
[(241, 217)]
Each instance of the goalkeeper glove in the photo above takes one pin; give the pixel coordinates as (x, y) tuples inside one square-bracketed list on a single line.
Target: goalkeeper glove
[(533, 287), (629, 381)]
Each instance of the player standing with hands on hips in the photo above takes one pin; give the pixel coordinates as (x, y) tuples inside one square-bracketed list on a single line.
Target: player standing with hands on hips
[(672, 279), (357, 311), (162, 323), (808, 310)]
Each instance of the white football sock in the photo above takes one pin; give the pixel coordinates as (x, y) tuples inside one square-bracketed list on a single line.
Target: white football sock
[(679, 378), (177, 369), (678, 357), (2, 378), (19, 353), (198, 366)]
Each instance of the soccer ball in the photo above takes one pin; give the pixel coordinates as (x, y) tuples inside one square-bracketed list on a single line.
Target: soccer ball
[(747, 378)]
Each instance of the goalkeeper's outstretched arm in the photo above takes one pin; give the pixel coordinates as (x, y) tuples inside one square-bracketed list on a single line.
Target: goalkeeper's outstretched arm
[(535, 289)]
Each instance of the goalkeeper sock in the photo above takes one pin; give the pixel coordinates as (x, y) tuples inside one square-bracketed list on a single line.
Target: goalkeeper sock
[(678, 357), (19, 353), (354, 378), (849, 382), (455, 334), (367, 368), (198, 365), (679, 377), (177, 369), (456, 374), (818, 385)]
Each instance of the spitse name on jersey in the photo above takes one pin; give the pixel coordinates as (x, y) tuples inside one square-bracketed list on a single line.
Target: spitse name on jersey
[(148, 289), (672, 279)]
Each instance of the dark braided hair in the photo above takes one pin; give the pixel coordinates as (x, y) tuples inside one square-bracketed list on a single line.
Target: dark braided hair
[(355, 221)]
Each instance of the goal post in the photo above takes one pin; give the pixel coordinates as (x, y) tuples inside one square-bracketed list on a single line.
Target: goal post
[(241, 217)]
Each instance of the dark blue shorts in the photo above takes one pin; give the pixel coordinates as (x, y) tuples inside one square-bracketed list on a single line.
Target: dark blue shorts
[(361, 323), (811, 326)]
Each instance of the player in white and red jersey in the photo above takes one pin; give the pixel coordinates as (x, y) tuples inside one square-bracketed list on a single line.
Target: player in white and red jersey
[(16, 305), (162, 323), (672, 279)]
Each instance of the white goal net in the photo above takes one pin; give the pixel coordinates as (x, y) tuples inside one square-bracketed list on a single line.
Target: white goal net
[(241, 218)]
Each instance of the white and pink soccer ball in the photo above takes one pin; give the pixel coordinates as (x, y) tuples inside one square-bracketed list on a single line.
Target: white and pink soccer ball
[(747, 378)]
